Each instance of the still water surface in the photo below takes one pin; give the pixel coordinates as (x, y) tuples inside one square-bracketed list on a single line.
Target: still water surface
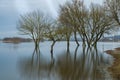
[(20, 62)]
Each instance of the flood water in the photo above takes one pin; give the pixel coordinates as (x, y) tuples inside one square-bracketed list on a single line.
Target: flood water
[(21, 62)]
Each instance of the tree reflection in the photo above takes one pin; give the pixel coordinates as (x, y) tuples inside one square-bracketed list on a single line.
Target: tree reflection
[(35, 67), (86, 64), (84, 67)]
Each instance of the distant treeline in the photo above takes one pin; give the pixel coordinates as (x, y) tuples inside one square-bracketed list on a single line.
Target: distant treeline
[(16, 40)]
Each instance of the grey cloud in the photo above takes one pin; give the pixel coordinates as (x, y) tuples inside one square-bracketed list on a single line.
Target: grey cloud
[(11, 9)]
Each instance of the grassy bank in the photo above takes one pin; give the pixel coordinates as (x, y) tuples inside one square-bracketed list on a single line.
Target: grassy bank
[(115, 68)]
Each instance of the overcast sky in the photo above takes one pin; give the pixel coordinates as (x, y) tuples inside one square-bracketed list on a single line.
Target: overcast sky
[(11, 9)]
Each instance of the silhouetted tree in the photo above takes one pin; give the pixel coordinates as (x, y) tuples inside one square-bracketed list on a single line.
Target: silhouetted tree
[(66, 32), (96, 24), (90, 23), (67, 17), (33, 24), (53, 32)]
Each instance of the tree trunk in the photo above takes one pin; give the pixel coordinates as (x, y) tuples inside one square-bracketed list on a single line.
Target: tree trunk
[(95, 44), (52, 46), (68, 44), (76, 39), (36, 43), (83, 44), (89, 44)]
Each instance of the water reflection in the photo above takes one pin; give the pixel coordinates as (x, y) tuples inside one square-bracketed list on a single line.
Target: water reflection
[(35, 67), (87, 64), (85, 67)]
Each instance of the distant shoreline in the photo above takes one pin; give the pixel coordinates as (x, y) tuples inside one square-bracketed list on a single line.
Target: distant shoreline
[(12, 40), (16, 40), (21, 40)]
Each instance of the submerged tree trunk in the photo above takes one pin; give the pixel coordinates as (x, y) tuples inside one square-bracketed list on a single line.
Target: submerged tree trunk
[(89, 44), (83, 44), (36, 43), (95, 44), (75, 36), (52, 46), (68, 44)]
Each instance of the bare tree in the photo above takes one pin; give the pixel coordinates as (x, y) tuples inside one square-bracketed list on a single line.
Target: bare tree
[(113, 8), (96, 24), (68, 16), (33, 24), (74, 15), (90, 23), (53, 32), (66, 32)]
